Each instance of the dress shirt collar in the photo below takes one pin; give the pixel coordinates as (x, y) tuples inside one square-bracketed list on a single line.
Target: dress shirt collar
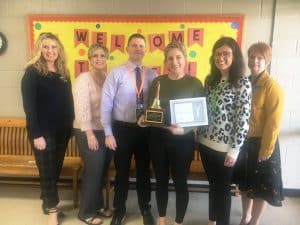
[(133, 66)]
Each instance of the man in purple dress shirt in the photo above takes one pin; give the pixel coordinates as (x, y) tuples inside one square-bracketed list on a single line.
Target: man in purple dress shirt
[(123, 100)]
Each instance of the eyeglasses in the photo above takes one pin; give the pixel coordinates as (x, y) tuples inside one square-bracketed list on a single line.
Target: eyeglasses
[(225, 54)]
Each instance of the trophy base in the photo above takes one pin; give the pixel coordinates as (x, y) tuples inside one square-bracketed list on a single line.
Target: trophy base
[(154, 117)]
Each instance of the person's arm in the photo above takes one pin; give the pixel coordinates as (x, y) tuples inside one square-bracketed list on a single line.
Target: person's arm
[(83, 110), (107, 102), (109, 91), (29, 87), (82, 103), (273, 111), (71, 103), (241, 118)]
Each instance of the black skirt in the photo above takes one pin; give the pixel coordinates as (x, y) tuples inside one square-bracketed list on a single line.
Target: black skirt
[(259, 179)]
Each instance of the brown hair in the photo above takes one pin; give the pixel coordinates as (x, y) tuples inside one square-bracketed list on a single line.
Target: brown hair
[(261, 48), (135, 35), (175, 45), (95, 47)]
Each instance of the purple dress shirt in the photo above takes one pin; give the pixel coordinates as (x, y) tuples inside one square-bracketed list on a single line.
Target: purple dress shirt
[(119, 95)]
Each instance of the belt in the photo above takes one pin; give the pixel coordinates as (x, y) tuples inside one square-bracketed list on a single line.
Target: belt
[(124, 124)]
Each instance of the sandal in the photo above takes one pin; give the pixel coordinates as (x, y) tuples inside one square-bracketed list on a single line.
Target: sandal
[(105, 213), (91, 220)]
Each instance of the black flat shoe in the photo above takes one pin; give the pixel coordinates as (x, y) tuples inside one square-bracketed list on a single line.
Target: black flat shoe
[(148, 219), (116, 220)]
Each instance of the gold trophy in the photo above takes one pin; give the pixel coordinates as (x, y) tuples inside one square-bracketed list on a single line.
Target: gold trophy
[(154, 116)]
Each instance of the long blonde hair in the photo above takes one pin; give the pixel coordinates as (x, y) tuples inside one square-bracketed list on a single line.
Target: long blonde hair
[(38, 62)]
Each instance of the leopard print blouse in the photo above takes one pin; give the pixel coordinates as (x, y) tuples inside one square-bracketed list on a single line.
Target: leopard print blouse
[(228, 111)]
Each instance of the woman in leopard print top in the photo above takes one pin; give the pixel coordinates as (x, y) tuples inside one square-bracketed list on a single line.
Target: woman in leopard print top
[(229, 103)]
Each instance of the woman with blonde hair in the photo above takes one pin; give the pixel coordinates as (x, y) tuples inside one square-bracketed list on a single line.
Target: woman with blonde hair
[(172, 146), (48, 105), (90, 136)]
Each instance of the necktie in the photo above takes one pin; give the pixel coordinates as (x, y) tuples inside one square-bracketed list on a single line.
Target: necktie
[(138, 80), (139, 96), (138, 77)]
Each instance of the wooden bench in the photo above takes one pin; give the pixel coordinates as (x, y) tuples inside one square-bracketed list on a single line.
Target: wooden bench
[(17, 163)]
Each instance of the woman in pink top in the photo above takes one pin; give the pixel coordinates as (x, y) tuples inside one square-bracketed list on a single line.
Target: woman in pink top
[(90, 136)]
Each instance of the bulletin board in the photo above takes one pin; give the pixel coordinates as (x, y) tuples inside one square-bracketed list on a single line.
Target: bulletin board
[(197, 32)]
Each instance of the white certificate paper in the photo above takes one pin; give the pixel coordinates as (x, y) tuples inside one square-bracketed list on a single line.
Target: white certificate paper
[(183, 112), (189, 112)]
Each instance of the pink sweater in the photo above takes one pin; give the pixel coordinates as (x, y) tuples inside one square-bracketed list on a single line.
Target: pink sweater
[(87, 99)]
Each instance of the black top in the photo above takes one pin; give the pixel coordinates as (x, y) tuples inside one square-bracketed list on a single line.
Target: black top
[(186, 87), (47, 102)]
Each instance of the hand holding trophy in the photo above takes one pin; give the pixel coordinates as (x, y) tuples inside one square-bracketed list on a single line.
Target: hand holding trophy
[(154, 116)]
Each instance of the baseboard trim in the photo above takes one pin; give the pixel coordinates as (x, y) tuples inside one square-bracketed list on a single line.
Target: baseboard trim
[(291, 192)]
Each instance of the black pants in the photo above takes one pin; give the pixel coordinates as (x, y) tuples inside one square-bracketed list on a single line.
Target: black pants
[(49, 163), (96, 164), (175, 153), (131, 140), (219, 178)]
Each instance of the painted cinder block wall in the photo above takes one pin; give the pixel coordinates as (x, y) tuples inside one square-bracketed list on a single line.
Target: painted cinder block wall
[(272, 21)]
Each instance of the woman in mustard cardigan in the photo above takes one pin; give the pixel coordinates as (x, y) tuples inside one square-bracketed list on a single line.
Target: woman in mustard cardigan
[(258, 169)]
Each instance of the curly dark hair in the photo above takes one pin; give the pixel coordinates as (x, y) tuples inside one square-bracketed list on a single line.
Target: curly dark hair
[(237, 68)]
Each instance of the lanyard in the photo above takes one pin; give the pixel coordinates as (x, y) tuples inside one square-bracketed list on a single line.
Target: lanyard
[(133, 80)]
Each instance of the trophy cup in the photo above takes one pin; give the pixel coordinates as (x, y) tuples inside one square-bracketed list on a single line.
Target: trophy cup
[(154, 116)]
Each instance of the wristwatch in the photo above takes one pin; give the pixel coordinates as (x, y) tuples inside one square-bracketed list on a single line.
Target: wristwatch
[(3, 43)]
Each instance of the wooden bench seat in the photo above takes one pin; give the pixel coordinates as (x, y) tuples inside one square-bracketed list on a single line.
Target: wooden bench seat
[(17, 163)]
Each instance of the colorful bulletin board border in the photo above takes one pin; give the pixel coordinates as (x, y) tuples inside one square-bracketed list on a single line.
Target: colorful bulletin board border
[(197, 32)]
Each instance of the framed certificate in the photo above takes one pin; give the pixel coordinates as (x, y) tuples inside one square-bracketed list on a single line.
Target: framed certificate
[(189, 112)]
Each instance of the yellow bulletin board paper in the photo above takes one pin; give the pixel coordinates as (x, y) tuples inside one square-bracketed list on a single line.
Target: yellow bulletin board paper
[(197, 32)]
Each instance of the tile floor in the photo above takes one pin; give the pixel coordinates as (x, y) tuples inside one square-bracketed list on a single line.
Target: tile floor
[(20, 205)]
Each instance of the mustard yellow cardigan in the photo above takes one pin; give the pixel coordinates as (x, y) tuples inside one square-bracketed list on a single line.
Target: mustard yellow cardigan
[(266, 113)]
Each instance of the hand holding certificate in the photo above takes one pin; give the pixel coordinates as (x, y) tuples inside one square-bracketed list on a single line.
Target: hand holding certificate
[(189, 112)]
